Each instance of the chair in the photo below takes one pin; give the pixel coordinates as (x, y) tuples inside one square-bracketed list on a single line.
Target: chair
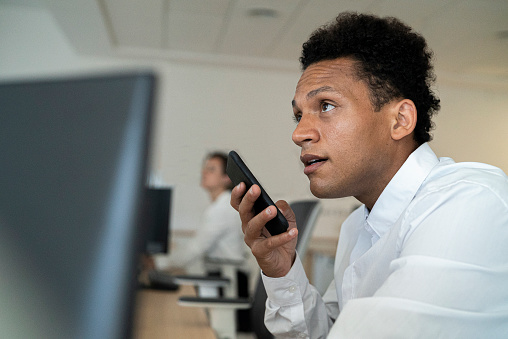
[(222, 310), (209, 287)]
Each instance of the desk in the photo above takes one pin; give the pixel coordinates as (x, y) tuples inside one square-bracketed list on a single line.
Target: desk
[(158, 315)]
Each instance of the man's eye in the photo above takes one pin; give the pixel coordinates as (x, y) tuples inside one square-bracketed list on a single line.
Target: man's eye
[(325, 107), (297, 118)]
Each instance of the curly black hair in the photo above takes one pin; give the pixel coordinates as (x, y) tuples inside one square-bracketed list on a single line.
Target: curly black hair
[(393, 60)]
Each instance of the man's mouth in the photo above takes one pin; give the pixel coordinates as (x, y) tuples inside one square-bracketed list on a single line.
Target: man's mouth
[(312, 162)]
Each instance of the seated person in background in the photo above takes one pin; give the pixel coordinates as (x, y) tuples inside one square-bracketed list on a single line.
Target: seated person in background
[(219, 236), (426, 256)]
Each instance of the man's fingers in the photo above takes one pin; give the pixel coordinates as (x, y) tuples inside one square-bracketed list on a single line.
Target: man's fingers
[(247, 204), (237, 195), (272, 243), (243, 202), (256, 226), (287, 212)]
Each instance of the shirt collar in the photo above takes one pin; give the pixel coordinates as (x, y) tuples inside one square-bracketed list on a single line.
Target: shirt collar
[(401, 189), (223, 197)]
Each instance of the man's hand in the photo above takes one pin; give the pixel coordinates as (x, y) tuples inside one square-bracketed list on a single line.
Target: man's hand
[(275, 254)]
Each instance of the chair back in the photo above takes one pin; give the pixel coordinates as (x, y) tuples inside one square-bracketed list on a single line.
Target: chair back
[(306, 213)]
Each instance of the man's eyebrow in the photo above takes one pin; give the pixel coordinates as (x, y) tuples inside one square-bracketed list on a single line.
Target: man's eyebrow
[(315, 92)]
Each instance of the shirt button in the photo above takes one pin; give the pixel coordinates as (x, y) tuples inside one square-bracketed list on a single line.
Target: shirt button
[(292, 289), (302, 335)]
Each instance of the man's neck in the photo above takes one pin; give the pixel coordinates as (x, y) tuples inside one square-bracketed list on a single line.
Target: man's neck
[(401, 155), (215, 194)]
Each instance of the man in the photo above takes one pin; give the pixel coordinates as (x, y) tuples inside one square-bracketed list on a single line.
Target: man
[(426, 256), (218, 236)]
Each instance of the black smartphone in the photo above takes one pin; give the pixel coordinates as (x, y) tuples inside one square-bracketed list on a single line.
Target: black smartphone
[(238, 172)]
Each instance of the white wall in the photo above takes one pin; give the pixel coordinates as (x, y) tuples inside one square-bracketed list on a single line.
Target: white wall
[(471, 125), (202, 108), (33, 45)]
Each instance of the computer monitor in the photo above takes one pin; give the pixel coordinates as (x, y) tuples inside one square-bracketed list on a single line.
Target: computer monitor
[(157, 221), (73, 154)]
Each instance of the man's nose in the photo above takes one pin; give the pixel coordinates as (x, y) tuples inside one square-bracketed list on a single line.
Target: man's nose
[(306, 131)]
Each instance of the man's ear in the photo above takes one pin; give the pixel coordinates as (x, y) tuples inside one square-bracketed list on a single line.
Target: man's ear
[(405, 121)]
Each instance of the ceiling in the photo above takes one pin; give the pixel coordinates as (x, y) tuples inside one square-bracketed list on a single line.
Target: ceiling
[(469, 37)]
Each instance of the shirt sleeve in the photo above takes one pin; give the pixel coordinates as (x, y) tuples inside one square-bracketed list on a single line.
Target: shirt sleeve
[(183, 256), (214, 225), (450, 278), (295, 309)]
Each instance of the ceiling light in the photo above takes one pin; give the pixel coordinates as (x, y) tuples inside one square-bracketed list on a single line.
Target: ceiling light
[(262, 12), (502, 35)]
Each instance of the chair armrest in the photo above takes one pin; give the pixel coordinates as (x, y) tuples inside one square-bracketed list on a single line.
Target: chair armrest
[(200, 281), (230, 303), (232, 262)]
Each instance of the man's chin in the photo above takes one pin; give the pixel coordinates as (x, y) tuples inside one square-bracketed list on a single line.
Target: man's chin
[(323, 192)]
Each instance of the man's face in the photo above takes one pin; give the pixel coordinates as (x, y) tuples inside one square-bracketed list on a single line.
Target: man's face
[(212, 175), (346, 145)]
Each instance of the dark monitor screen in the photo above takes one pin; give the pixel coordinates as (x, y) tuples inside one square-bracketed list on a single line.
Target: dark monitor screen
[(157, 221), (73, 154)]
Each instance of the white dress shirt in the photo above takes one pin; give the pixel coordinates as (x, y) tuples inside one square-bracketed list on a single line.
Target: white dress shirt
[(430, 260), (219, 236)]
